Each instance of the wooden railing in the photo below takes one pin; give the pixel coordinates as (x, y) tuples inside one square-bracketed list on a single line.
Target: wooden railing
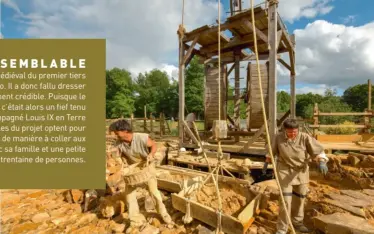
[(367, 114), (150, 124)]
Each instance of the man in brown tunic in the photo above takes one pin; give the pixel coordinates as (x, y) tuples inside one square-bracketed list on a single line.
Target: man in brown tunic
[(137, 147), (294, 150)]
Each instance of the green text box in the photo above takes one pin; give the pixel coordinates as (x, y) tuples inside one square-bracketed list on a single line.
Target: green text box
[(52, 119)]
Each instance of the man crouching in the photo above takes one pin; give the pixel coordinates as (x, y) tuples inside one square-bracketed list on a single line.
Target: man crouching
[(137, 148)]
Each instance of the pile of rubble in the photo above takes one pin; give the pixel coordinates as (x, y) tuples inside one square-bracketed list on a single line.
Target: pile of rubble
[(353, 169), (341, 202)]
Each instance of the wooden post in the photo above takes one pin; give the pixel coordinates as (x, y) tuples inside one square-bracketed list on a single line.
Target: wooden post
[(315, 117), (369, 105), (151, 122), (293, 97), (145, 119), (162, 131), (132, 121), (369, 95), (181, 87), (248, 104), (237, 93), (272, 37)]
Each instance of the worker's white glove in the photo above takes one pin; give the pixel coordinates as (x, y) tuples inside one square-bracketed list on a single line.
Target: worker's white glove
[(322, 157)]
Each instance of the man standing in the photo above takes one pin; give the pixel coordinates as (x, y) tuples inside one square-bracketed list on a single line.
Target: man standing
[(294, 150), (137, 148)]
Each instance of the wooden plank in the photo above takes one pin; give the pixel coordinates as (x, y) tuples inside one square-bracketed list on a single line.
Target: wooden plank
[(285, 34), (339, 138), (248, 25), (345, 114), (279, 38), (189, 52), (190, 133), (336, 126), (255, 137), (293, 97), (225, 156), (181, 91), (208, 215), (285, 64)]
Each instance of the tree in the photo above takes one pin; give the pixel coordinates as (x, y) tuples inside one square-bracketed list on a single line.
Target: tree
[(283, 101), (305, 103), (119, 93), (357, 97), (194, 87), (333, 103), (152, 89)]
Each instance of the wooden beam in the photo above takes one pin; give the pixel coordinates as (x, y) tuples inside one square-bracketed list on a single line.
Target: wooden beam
[(190, 58), (255, 137), (248, 93), (181, 92), (195, 51), (273, 22), (285, 64), (190, 36), (233, 43), (250, 57), (189, 52), (189, 132), (279, 38), (237, 92), (292, 61), (248, 25), (283, 118), (230, 70), (287, 38), (345, 114), (337, 126), (369, 94), (293, 96)]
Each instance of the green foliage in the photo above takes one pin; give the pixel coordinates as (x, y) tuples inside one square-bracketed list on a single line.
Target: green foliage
[(283, 101), (155, 92), (119, 93), (357, 97), (194, 87), (333, 103), (305, 103)]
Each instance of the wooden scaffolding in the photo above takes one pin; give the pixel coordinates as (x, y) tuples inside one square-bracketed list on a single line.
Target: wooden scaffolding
[(272, 41)]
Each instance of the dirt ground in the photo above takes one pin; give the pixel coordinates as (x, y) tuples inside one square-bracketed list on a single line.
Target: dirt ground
[(48, 211)]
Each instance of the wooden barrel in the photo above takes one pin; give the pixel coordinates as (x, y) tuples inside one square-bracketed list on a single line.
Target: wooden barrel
[(255, 107), (212, 95)]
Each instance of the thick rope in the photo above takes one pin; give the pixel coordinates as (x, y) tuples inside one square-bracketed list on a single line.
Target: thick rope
[(219, 153), (265, 118)]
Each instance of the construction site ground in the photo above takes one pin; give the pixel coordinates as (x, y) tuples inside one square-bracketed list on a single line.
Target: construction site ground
[(341, 202)]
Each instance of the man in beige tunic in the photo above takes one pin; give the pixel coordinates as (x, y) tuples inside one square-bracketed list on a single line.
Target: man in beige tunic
[(294, 150), (137, 148)]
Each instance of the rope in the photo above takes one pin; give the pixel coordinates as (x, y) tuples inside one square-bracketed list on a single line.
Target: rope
[(264, 115)]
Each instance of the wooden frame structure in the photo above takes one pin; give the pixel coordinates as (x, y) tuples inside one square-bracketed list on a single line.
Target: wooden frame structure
[(272, 40)]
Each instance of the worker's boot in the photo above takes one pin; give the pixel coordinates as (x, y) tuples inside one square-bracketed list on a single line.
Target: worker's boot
[(302, 228)]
